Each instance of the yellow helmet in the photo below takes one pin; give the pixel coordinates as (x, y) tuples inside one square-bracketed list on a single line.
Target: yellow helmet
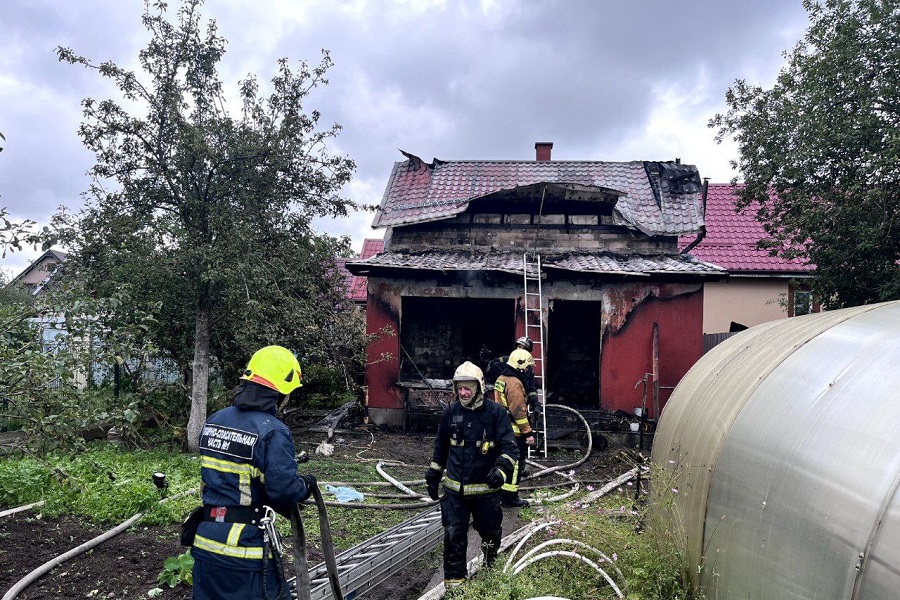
[(520, 359), (274, 367)]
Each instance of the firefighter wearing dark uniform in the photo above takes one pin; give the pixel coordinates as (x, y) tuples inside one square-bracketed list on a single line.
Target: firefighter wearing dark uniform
[(509, 391), (476, 446), (247, 462)]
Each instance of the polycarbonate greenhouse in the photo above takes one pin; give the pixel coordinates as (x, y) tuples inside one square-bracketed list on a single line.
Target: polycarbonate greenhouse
[(777, 459)]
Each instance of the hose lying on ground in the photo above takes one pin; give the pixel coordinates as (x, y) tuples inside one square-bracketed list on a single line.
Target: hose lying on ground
[(50, 564), (19, 509)]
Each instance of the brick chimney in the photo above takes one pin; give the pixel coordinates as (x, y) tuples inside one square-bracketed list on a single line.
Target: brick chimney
[(542, 150)]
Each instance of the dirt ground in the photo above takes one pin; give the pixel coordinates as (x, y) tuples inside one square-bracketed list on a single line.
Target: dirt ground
[(128, 565)]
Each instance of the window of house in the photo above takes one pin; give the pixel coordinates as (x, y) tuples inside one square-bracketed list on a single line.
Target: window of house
[(800, 301)]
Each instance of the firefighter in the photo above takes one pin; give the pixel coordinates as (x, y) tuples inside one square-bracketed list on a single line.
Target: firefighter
[(509, 390), (248, 465), (475, 445), (495, 368)]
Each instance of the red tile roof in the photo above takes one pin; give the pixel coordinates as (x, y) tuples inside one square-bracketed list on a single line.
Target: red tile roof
[(419, 192), (356, 284), (731, 238)]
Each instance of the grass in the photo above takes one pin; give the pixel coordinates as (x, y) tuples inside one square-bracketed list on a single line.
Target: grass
[(107, 484), (102, 484), (641, 565)]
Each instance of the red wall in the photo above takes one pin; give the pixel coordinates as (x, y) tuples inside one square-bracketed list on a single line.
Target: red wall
[(383, 319), (628, 351)]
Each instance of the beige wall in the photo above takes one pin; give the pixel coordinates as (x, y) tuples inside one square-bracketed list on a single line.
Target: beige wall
[(748, 301)]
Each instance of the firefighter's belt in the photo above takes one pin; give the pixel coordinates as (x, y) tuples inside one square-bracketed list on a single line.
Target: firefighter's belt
[(233, 514)]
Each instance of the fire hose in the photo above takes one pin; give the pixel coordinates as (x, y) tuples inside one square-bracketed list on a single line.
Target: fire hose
[(298, 538)]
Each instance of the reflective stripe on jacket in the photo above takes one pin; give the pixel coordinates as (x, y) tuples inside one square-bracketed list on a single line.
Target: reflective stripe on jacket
[(470, 443), (510, 392), (247, 458)]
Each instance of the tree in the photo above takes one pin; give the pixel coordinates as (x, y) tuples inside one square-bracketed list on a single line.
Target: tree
[(210, 218), (820, 151)]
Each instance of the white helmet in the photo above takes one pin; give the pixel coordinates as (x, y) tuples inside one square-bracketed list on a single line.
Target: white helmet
[(469, 372)]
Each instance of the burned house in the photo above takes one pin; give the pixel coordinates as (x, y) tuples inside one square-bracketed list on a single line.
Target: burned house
[(618, 303)]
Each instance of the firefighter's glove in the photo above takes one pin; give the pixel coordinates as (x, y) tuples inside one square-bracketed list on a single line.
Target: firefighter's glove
[(485, 355), (311, 482), (495, 478), (433, 480), (529, 439)]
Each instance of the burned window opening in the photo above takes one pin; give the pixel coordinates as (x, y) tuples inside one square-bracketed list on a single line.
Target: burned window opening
[(573, 353), (438, 334)]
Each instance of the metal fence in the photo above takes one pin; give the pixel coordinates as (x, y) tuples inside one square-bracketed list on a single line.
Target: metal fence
[(711, 340)]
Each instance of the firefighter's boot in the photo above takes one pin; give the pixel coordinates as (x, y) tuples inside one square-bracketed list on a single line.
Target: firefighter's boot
[(512, 500), (490, 550)]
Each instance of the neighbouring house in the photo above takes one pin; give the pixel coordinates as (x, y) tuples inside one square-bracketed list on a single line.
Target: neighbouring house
[(759, 287), (356, 284), (35, 275), (618, 301)]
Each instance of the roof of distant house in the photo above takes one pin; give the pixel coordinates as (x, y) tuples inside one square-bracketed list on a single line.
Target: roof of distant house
[(731, 238), (49, 257), (356, 284), (657, 198)]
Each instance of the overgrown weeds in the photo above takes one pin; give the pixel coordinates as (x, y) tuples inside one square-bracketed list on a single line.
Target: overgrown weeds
[(641, 564)]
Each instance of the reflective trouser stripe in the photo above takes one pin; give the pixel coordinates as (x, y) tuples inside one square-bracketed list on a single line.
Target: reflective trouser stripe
[(251, 552), (244, 471), (436, 467), (471, 489)]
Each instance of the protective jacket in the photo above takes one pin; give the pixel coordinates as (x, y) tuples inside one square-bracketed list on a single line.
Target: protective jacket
[(509, 391), (470, 443), (247, 461), (497, 367)]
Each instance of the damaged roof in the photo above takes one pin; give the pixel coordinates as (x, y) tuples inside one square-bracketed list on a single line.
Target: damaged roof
[(606, 263), (657, 198)]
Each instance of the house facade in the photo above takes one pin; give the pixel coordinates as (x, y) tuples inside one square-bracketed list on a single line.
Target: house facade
[(618, 300), (759, 287)]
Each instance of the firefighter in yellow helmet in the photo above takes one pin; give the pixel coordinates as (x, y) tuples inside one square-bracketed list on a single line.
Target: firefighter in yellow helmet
[(247, 464), (509, 390), (475, 444)]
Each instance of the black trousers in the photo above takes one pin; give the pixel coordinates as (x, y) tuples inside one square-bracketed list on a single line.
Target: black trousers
[(487, 518)]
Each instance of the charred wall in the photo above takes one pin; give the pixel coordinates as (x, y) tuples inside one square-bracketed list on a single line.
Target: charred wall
[(557, 233)]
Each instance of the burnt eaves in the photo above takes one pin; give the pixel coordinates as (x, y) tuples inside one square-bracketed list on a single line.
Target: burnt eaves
[(596, 263)]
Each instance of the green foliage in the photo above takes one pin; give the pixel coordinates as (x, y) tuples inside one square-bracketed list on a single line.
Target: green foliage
[(820, 151), (103, 483), (178, 570), (50, 348), (210, 223), (325, 386), (15, 234)]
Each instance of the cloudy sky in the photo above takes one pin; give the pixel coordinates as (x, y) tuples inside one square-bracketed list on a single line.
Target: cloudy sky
[(452, 79)]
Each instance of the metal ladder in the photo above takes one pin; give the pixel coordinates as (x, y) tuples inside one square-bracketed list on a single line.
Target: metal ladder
[(363, 567), (534, 324)]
